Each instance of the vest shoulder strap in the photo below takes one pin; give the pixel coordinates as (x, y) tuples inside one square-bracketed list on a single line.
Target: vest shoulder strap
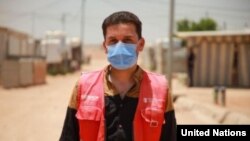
[(90, 110), (86, 83), (149, 115)]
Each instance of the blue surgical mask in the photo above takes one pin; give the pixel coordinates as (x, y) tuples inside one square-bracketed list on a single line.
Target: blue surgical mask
[(122, 55)]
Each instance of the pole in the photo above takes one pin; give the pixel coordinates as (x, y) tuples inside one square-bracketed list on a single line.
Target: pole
[(82, 27), (64, 52), (207, 14), (224, 25), (33, 23), (170, 54), (63, 22)]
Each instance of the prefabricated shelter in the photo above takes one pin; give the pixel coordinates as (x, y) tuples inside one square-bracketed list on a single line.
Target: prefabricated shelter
[(155, 56), (62, 54), (13, 45), (17, 53), (221, 57), (161, 55), (56, 51), (147, 57), (76, 53)]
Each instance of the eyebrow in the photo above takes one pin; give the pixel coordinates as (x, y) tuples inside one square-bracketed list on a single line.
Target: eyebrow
[(111, 37), (125, 37)]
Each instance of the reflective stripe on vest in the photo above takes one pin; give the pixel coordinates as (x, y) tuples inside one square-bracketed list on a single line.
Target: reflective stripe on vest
[(149, 115)]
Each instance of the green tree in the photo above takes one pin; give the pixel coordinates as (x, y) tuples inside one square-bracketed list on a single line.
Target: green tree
[(207, 24), (183, 25), (204, 24), (195, 26)]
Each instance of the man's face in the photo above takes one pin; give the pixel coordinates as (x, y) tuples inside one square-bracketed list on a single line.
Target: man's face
[(124, 32)]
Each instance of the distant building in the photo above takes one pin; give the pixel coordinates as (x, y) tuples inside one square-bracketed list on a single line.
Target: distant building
[(155, 56), (21, 60), (62, 54), (221, 57)]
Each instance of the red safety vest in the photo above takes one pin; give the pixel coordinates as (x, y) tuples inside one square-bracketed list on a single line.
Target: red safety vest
[(149, 115)]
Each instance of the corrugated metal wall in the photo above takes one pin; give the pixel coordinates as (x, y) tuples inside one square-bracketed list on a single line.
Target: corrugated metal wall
[(214, 60), (244, 74)]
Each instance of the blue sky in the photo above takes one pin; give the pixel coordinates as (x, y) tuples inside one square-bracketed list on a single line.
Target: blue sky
[(47, 15)]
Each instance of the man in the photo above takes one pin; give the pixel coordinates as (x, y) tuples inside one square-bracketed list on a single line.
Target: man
[(121, 102)]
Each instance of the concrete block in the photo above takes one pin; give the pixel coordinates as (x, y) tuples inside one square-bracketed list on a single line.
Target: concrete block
[(39, 71), (10, 73), (26, 72)]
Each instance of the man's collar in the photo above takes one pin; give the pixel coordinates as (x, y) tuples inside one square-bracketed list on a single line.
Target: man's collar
[(109, 87), (137, 76)]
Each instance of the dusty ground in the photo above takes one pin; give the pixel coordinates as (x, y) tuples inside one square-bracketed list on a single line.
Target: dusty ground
[(36, 113), (237, 100)]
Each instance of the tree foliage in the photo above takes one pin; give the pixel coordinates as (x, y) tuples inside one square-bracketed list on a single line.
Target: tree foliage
[(205, 24)]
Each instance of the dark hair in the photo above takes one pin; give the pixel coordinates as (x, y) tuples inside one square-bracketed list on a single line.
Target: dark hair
[(122, 17)]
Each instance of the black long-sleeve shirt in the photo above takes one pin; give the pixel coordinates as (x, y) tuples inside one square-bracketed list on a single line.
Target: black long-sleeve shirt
[(119, 114)]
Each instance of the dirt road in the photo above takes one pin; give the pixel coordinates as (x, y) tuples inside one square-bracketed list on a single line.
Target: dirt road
[(35, 113)]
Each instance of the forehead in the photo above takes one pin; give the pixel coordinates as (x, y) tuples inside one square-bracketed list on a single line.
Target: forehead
[(122, 29)]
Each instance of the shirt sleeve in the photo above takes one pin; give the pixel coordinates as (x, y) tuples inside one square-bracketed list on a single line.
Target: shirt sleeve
[(70, 131), (169, 130)]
